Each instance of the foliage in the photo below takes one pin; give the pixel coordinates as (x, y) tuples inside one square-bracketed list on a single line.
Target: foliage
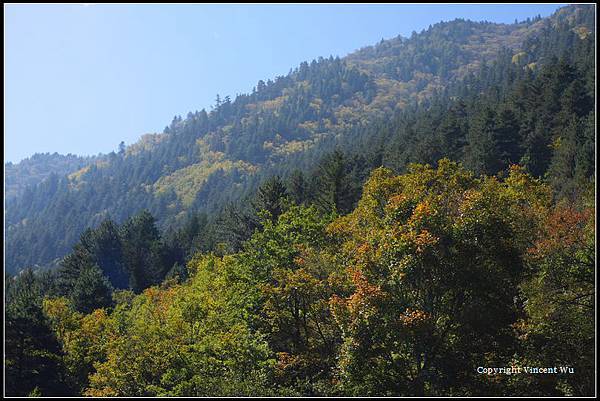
[(416, 99), (427, 252), (221, 259), (33, 362)]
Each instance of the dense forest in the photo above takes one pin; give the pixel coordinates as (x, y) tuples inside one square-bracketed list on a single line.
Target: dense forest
[(381, 224), (210, 159), (35, 169)]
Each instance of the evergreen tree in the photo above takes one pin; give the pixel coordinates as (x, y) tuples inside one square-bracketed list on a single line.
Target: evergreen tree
[(481, 149), (107, 254), (33, 360), (271, 197), (506, 139), (452, 132), (91, 290), (334, 191), (298, 187), (140, 238)]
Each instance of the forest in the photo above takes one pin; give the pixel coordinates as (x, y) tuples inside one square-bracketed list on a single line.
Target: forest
[(391, 223)]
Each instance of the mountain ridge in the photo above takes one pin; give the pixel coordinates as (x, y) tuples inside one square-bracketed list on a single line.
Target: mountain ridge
[(208, 159)]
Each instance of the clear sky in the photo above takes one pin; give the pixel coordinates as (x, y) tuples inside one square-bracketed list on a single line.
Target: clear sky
[(81, 78)]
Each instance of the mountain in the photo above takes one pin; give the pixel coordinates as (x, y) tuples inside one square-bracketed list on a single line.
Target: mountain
[(35, 169), (357, 103), (415, 219)]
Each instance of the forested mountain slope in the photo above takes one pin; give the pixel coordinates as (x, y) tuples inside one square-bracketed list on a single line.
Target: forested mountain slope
[(387, 224), (33, 170), (375, 96)]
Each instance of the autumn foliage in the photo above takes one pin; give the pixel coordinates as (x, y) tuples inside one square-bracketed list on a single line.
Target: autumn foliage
[(434, 273)]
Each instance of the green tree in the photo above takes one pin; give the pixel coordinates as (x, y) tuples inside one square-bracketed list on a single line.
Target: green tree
[(559, 291), (271, 197), (33, 358), (435, 258), (507, 139), (298, 187), (142, 251), (480, 154), (91, 290), (335, 191)]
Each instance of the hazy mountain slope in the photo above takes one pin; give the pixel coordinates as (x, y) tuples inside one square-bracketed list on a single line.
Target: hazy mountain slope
[(33, 170), (207, 159)]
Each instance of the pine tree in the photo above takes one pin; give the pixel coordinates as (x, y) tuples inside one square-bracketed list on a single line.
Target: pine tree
[(334, 191), (138, 235), (108, 254), (506, 139), (298, 187), (271, 197), (480, 154), (452, 132), (91, 290), (32, 353)]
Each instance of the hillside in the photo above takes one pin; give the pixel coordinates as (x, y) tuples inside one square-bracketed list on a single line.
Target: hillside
[(35, 169), (415, 219), (208, 159)]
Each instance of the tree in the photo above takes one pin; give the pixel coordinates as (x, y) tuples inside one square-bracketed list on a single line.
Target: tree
[(426, 253), (291, 271), (107, 253), (88, 275), (70, 267), (298, 187), (271, 197), (481, 149), (559, 291), (181, 340), (538, 152), (142, 251), (33, 360), (91, 290), (234, 226), (334, 191), (452, 132), (570, 168), (507, 139)]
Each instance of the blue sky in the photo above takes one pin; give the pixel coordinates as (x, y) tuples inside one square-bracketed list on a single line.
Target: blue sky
[(81, 78)]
